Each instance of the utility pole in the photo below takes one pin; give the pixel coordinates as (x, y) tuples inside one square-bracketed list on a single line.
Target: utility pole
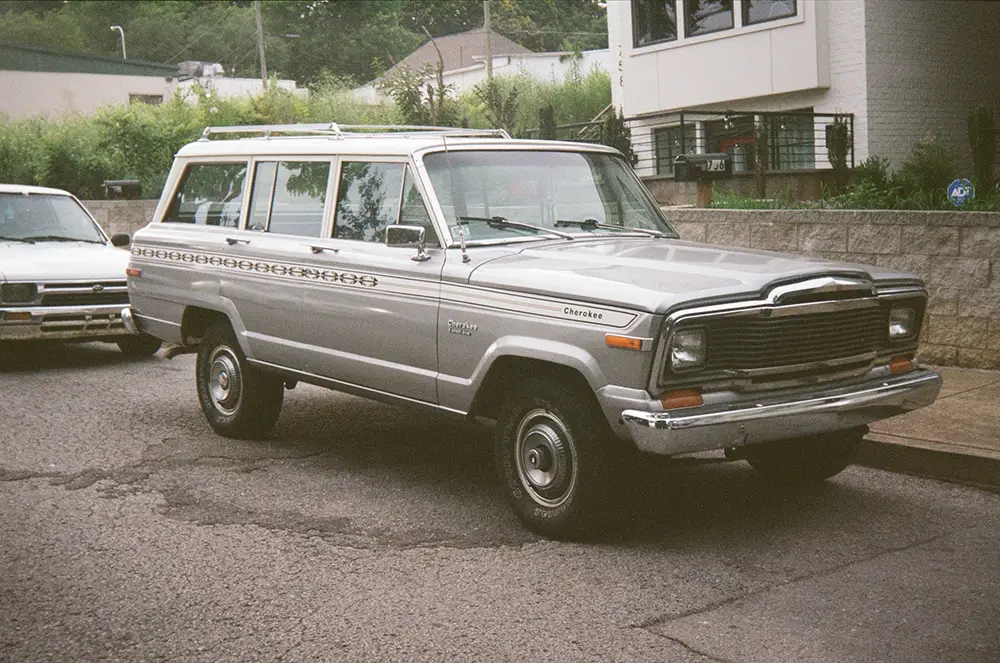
[(260, 42), (489, 42)]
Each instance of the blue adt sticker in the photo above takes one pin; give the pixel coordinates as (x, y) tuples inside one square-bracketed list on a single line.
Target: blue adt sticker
[(961, 192)]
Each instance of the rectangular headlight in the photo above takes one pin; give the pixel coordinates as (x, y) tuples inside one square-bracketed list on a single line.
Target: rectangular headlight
[(18, 293), (902, 322), (688, 349)]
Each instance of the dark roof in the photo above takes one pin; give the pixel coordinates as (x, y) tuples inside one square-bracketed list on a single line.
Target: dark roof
[(15, 57), (458, 51)]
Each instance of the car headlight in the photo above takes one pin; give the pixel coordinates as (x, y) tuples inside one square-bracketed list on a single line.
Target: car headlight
[(18, 293), (902, 322), (688, 349)]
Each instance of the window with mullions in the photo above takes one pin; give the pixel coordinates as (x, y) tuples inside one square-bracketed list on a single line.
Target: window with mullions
[(702, 17), (670, 143), (761, 11), (653, 21)]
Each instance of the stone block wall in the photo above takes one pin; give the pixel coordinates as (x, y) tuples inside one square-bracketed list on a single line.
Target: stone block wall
[(121, 216), (956, 253)]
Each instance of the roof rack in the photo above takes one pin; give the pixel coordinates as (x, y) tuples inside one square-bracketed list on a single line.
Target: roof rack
[(339, 131)]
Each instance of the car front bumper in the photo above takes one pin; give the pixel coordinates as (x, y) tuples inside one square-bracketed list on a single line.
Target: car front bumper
[(764, 419), (40, 323)]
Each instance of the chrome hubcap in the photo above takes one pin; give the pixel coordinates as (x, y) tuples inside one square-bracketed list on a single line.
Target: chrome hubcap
[(225, 384), (546, 458)]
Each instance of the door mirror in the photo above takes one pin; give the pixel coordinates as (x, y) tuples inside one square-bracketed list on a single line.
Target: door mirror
[(120, 240), (407, 237)]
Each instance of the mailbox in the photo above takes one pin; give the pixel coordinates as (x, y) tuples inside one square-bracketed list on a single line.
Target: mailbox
[(121, 189), (702, 167)]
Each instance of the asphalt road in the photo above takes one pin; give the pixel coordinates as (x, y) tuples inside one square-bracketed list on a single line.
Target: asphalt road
[(362, 532)]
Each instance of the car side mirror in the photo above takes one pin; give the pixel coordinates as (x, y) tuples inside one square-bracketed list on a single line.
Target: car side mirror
[(407, 237), (120, 240)]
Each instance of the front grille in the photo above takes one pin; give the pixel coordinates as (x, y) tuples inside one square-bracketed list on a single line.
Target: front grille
[(747, 343), (84, 294)]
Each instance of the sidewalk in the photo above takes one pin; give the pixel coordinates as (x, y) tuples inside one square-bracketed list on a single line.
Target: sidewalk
[(955, 439)]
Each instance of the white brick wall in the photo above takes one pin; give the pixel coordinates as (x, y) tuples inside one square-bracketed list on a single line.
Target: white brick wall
[(929, 63)]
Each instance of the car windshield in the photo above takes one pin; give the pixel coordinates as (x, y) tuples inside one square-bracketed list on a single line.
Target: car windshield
[(43, 217), (579, 193)]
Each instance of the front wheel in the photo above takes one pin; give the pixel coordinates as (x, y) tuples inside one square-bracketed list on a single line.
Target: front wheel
[(805, 461), (238, 400), (554, 458)]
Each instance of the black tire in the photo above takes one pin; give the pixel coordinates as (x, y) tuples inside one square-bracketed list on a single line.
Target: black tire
[(138, 345), (238, 400), (555, 459), (805, 461)]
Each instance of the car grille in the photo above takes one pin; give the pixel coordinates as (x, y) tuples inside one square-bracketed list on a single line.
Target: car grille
[(84, 294), (747, 343)]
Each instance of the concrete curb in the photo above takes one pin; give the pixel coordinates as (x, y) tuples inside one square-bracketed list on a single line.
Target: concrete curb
[(981, 471)]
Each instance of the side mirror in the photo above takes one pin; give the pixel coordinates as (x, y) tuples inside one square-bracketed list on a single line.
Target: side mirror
[(120, 240), (411, 237)]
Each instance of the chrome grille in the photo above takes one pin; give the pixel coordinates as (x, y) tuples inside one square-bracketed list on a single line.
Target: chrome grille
[(83, 294), (755, 342)]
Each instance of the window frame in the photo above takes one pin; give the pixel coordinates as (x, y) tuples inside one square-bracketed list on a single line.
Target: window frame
[(175, 182), (745, 14), (326, 228)]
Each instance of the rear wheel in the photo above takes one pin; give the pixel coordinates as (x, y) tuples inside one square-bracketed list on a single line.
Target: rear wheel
[(138, 345), (238, 400), (805, 461), (554, 458)]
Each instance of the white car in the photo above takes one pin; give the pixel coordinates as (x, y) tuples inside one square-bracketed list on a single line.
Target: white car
[(61, 278)]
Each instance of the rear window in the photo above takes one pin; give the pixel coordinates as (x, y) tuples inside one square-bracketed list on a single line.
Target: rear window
[(209, 194)]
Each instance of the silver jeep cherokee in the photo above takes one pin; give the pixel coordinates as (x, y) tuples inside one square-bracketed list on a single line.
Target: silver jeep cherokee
[(535, 284)]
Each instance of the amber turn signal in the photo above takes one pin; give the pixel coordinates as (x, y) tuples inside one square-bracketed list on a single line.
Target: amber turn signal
[(17, 316), (623, 342), (900, 365), (682, 398)]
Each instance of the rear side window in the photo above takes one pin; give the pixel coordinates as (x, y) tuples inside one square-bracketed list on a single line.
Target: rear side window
[(289, 197), (209, 194)]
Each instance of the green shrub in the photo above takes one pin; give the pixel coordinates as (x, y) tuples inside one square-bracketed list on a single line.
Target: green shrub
[(928, 171), (983, 142)]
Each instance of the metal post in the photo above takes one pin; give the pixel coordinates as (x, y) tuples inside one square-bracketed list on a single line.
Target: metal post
[(489, 41), (683, 147), (121, 32), (260, 42)]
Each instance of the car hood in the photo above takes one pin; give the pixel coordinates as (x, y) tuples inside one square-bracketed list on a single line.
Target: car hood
[(655, 275), (62, 261)]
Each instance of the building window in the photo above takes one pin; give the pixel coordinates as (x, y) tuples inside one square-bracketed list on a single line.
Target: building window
[(761, 11), (670, 143), (151, 99), (653, 21), (702, 17), (794, 141)]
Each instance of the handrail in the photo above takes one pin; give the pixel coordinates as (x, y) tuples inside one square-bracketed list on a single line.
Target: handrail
[(339, 131)]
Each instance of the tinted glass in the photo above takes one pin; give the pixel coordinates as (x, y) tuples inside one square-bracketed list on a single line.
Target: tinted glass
[(760, 11), (653, 21), (705, 16), (209, 194), (45, 217), (368, 199), (299, 198)]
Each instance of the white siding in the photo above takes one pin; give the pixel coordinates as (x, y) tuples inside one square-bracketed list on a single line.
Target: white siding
[(929, 63), (40, 93)]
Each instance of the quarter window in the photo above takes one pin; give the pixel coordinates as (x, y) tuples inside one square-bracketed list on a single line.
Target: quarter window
[(653, 21), (702, 17), (761, 11), (368, 201), (414, 211), (210, 194)]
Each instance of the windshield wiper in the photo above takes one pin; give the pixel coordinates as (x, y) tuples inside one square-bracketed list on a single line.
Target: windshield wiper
[(592, 223), (59, 238), (16, 239), (501, 222)]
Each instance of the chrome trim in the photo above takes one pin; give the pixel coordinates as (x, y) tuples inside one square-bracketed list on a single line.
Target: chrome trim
[(822, 285), (753, 421), (129, 321)]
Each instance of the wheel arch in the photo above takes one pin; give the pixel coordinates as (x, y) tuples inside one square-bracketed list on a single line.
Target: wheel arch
[(507, 370)]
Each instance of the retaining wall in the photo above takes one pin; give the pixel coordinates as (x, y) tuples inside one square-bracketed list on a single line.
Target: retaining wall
[(957, 253)]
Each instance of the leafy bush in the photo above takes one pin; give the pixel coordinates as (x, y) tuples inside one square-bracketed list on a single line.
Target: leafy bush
[(928, 170), (983, 141)]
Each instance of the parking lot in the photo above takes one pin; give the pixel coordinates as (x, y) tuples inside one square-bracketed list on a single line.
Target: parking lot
[(364, 532)]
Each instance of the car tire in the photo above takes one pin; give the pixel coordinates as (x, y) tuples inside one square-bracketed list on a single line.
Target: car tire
[(555, 460), (138, 345), (805, 461), (238, 400)]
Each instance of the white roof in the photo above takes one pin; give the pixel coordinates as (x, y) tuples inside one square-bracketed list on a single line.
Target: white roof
[(25, 188)]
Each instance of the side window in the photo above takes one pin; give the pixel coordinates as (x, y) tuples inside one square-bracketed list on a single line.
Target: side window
[(289, 197), (368, 200), (414, 212), (209, 194)]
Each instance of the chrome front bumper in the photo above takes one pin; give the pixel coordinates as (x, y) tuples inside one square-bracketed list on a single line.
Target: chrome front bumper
[(762, 419), (62, 323)]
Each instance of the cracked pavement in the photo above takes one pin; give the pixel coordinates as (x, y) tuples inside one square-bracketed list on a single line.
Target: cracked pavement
[(362, 532)]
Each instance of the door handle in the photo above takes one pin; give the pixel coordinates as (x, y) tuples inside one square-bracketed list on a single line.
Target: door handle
[(321, 249), (236, 240)]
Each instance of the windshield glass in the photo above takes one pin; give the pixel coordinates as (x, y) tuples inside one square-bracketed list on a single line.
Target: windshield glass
[(43, 217), (571, 191)]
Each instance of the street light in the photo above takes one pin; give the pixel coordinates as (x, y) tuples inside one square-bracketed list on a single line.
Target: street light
[(118, 28)]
